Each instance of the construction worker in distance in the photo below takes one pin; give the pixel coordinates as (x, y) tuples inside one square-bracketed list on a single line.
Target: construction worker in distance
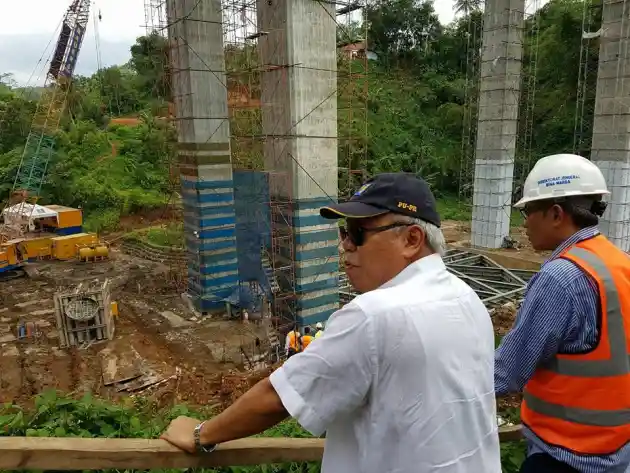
[(320, 330), (568, 349), (293, 342), (307, 338)]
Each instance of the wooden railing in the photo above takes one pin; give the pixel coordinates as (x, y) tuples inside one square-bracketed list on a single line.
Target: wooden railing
[(37, 453)]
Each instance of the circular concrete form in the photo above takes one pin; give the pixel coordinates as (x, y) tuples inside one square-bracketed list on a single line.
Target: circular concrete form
[(82, 309)]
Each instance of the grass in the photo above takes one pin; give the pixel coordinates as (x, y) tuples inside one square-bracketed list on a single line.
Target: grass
[(104, 221), (451, 208), (169, 235)]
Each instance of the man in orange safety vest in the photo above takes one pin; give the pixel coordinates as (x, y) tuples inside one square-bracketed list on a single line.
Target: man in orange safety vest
[(293, 342), (568, 350)]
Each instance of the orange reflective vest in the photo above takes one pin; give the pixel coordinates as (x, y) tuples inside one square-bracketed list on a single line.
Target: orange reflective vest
[(295, 340), (306, 340), (582, 401)]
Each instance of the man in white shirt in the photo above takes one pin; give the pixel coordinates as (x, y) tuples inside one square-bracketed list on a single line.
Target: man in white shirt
[(403, 381)]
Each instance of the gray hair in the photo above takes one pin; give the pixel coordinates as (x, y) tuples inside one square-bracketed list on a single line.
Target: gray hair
[(434, 236)]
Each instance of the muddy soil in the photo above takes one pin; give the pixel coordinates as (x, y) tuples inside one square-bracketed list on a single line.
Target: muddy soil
[(198, 360), (458, 233), (187, 353)]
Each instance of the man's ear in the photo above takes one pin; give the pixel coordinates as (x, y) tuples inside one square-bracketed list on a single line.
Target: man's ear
[(416, 237), (557, 213)]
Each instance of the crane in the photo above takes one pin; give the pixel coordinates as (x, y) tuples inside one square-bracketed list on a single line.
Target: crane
[(50, 108)]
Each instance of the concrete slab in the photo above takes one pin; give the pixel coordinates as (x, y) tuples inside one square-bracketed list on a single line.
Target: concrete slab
[(58, 353), (174, 320), (8, 338), (23, 305), (39, 313), (10, 351)]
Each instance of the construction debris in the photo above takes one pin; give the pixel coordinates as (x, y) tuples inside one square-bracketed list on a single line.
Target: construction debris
[(494, 283), (119, 368)]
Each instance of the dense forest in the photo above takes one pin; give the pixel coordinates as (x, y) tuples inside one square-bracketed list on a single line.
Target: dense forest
[(420, 100)]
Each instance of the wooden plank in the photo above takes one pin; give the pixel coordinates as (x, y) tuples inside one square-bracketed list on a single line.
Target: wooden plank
[(37, 453), (137, 384), (510, 433), (95, 454), (119, 368)]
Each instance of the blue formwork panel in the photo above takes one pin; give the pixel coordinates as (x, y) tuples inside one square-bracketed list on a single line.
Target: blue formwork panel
[(10, 267), (69, 231), (253, 223)]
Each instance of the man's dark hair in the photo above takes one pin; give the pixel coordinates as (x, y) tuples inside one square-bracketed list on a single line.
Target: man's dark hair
[(583, 210), (307, 330)]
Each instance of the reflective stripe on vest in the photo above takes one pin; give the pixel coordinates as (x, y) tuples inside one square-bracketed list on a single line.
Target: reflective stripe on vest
[(617, 365), (619, 362), (294, 339)]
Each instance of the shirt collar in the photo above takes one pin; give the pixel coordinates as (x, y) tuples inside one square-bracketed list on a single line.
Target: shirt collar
[(427, 265), (580, 235)]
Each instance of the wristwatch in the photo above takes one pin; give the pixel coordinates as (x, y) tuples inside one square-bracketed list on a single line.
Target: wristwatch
[(198, 446)]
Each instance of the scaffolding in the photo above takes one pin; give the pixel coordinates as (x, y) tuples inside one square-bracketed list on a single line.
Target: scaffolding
[(473, 31), (262, 148), (529, 84), (159, 48), (254, 57), (352, 78), (587, 77)]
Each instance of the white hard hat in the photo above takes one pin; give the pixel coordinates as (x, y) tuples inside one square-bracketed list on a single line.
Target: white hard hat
[(319, 325), (562, 175)]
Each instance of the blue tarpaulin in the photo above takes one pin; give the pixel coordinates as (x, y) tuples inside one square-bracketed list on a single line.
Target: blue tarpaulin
[(244, 298), (253, 233)]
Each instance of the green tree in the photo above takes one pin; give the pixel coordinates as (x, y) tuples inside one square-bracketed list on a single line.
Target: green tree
[(150, 60), (467, 6)]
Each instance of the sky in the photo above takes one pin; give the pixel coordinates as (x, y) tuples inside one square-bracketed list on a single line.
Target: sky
[(28, 26)]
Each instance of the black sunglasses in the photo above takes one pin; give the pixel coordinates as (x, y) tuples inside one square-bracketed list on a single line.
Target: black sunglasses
[(536, 207), (356, 234)]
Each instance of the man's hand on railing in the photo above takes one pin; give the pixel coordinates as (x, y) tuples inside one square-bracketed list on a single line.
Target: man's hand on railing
[(181, 433), (254, 412)]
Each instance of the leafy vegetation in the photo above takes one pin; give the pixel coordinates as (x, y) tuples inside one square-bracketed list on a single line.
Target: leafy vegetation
[(167, 235), (420, 111), (56, 415)]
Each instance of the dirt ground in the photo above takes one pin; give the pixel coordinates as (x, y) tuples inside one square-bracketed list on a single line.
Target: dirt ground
[(458, 233), (183, 358)]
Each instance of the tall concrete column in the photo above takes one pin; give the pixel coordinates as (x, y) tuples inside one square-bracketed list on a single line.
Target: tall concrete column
[(200, 96), (611, 126), (499, 94), (299, 82)]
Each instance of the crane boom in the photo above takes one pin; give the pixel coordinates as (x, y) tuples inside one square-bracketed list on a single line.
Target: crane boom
[(50, 108)]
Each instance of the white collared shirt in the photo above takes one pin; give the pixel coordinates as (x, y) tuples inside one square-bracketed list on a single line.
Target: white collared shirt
[(402, 380)]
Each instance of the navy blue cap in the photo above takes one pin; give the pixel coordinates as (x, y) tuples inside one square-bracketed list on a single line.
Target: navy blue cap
[(397, 192)]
